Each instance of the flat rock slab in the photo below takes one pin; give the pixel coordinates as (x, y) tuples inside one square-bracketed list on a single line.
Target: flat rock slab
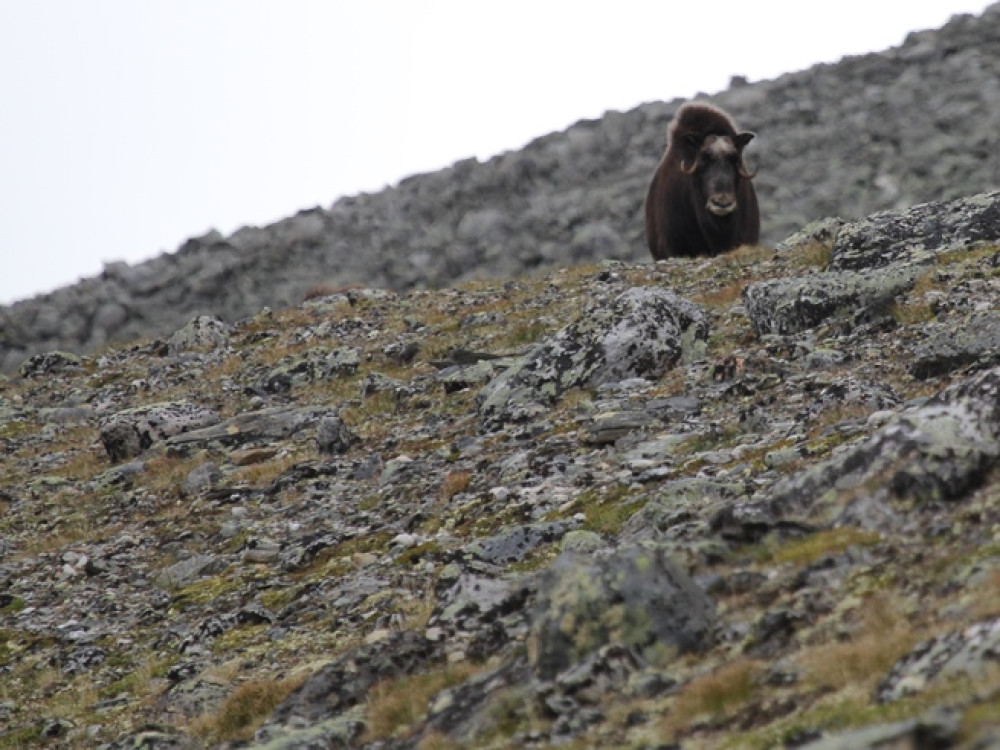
[(967, 653), (938, 728), (186, 571), (515, 543), (50, 363), (608, 427), (266, 424), (128, 433)]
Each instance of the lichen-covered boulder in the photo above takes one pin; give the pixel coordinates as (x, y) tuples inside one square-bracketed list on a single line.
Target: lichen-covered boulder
[(636, 597), (791, 305), (311, 366), (334, 436), (275, 423), (937, 728), (641, 334), (938, 451), (203, 332), (916, 233), (956, 344), (50, 363), (128, 433)]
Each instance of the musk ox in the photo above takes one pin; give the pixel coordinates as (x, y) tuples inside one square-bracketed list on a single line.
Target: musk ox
[(701, 200)]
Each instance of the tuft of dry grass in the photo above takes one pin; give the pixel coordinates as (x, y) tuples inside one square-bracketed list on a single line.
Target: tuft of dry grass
[(724, 296), (265, 472), (435, 740), (67, 531), (245, 710), (719, 693), (455, 482), (811, 548), (817, 254), (394, 705), (884, 633), (747, 255), (987, 597)]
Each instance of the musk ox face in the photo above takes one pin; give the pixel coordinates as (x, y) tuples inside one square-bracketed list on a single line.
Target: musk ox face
[(716, 168)]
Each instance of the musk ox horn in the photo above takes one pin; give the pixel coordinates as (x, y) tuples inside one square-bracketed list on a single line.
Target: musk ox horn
[(693, 168)]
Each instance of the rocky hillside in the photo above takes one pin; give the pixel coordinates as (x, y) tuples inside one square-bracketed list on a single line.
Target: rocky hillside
[(744, 502), (915, 123)]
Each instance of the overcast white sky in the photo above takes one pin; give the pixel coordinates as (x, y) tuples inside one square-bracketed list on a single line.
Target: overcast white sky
[(127, 126)]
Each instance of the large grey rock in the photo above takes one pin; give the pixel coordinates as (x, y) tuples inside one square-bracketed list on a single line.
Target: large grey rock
[(917, 233), (787, 306), (50, 363), (128, 433), (515, 543), (641, 334), (342, 684), (953, 345), (201, 333), (936, 729), (636, 597), (187, 570), (265, 424), (154, 738), (334, 436), (311, 366), (938, 451)]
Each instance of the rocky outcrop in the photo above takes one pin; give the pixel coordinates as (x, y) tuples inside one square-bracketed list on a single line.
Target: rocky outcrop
[(882, 131), (640, 334), (636, 597), (573, 508)]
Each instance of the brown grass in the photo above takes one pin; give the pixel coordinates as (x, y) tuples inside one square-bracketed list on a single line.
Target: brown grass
[(815, 254), (747, 255), (245, 710), (435, 740), (454, 483), (394, 705), (724, 296), (265, 472), (717, 694), (987, 597), (884, 633)]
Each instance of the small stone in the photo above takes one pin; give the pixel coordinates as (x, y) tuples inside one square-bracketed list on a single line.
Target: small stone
[(251, 456), (378, 636), (333, 436), (403, 540)]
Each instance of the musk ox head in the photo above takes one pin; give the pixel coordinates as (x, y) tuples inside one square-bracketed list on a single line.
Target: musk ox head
[(714, 161)]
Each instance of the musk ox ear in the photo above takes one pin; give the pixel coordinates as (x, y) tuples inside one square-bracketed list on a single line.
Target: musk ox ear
[(742, 139)]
